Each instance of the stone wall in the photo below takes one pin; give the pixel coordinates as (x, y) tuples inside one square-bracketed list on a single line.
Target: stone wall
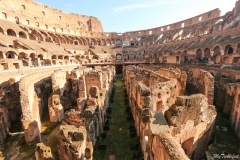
[(158, 110), (34, 91), (87, 113)]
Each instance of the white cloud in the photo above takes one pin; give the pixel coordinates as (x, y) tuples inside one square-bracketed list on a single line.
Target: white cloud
[(147, 4)]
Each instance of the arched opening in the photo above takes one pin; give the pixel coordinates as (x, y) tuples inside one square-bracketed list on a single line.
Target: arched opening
[(216, 51), (54, 57), (77, 58), (60, 57), (21, 55), (40, 56), (66, 57), (11, 32), (207, 53), (22, 35), (108, 42), (33, 59), (228, 50), (10, 54), (199, 53), (119, 57), (75, 42)]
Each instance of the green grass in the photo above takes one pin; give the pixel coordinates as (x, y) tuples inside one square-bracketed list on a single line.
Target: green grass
[(118, 137), (224, 141)]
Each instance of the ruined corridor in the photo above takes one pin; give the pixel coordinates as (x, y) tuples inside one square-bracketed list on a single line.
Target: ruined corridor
[(121, 140)]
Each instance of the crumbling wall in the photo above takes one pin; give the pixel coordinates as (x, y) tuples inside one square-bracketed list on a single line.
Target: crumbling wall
[(200, 81), (34, 91), (181, 77), (72, 142), (155, 99), (232, 105), (192, 120)]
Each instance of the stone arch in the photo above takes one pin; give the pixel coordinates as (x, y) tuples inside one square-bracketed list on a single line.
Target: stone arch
[(216, 51), (206, 28), (66, 57), (60, 57), (207, 53), (22, 55), (108, 42), (32, 57), (228, 50), (22, 35), (118, 56), (40, 56), (11, 32), (75, 42), (11, 54), (77, 57), (54, 57), (118, 42), (199, 53)]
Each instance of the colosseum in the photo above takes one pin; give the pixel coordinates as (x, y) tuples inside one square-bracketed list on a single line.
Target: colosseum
[(70, 91)]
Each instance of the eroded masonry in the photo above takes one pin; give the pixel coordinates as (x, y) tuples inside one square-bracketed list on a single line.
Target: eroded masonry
[(57, 73)]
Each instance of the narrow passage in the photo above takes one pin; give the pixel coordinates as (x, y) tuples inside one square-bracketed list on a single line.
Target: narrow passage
[(120, 141)]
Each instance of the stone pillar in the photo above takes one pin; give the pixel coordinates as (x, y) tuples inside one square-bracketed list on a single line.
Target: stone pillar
[(56, 110), (82, 87), (31, 130)]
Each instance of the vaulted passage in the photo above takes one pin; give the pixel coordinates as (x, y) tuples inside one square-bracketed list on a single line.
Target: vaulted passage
[(121, 140)]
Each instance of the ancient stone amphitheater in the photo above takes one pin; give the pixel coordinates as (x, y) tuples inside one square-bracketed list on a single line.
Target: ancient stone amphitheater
[(66, 85)]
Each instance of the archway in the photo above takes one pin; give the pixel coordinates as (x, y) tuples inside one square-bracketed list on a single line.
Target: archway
[(199, 53), (22, 35), (40, 56), (75, 42), (10, 54), (11, 32), (228, 50), (60, 57), (22, 55), (207, 53)]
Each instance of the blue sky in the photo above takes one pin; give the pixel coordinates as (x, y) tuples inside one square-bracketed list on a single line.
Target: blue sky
[(129, 15)]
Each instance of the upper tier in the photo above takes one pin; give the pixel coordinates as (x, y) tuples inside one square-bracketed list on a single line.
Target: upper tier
[(30, 12)]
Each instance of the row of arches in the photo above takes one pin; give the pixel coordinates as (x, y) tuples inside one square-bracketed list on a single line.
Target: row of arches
[(196, 30), (34, 34)]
